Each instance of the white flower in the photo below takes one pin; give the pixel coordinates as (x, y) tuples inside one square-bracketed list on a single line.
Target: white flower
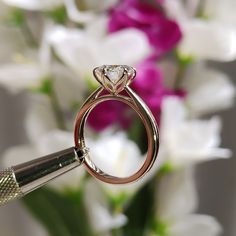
[(186, 141), (176, 195), (208, 90), (98, 210), (221, 10), (177, 201), (68, 88), (53, 141), (212, 38), (116, 155), (17, 77), (34, 4), (17, 71), (22, 70), (208, 40), (100, 5), (76, 15), (92, 7), (12, 42), (82, 51)]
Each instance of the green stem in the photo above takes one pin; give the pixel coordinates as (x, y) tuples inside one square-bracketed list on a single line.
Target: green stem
[(200, 9), (183, 62), (27, 34), (179, 76), (57, 110)]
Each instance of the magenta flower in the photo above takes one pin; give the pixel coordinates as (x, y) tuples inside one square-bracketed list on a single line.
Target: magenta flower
[(163, 33), (108, 113), (149, 86)]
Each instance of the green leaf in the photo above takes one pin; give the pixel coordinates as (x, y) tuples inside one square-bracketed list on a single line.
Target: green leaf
[(140, 211), (61, 214)]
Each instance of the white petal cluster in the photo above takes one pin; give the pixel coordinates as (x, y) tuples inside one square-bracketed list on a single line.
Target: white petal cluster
[(177, 201), (187, 141), (82, 51), (209, 90), (212, 36), (98, 210)]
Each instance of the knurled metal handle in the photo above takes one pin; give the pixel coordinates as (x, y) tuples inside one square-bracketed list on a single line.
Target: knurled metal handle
[(19, 180), (9, 188)]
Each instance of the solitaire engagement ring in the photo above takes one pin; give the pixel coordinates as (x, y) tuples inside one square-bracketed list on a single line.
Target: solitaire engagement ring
[(114, 79), (19, 180)]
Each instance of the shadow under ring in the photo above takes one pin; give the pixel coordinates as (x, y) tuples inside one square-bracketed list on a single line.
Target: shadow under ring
[(137, 104)]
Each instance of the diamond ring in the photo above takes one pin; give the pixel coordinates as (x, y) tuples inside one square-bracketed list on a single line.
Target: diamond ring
[(114, 79)]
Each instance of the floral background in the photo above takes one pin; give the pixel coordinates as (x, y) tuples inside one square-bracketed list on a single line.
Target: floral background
[(47, 52)]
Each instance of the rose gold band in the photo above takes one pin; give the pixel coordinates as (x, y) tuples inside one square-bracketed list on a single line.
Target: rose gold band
[(136, 103)]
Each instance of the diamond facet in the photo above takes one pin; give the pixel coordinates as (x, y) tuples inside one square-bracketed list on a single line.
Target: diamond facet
[(114, 78), (114, 73)]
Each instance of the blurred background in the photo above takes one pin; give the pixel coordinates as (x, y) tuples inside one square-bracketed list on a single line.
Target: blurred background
[(184, 53)]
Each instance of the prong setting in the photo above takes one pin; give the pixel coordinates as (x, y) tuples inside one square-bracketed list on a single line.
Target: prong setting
[(114, 78)]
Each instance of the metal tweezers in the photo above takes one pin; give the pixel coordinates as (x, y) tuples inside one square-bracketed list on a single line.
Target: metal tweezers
[(21, 179)]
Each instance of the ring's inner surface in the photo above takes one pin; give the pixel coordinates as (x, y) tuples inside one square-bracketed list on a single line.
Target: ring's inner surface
[(121, 144)]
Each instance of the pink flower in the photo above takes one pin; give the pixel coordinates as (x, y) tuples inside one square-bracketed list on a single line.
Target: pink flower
[(163, 33), (148, 85), (108, 113)]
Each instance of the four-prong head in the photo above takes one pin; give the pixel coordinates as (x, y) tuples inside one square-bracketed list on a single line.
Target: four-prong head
[(114, 78)]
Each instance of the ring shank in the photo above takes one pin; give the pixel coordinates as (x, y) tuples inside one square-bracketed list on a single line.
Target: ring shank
[(136, 103)]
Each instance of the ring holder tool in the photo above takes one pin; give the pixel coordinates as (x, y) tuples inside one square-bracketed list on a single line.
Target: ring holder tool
[(21, 179)]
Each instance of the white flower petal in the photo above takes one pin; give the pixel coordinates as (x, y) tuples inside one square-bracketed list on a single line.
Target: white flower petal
[(119, 48), (19, 154), (75, 14), (12, 42), (82, 51), (199, 142), (76, 49), (176, 195), (100, 5), (208, 90), (175, 9), (98, 211), (55, 140), (97, 28), (208, 40), (199, 139), (115, 154), (17, 77), (34, 4), (196, 225), (223, 11), (39, 119), (68, 88)]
